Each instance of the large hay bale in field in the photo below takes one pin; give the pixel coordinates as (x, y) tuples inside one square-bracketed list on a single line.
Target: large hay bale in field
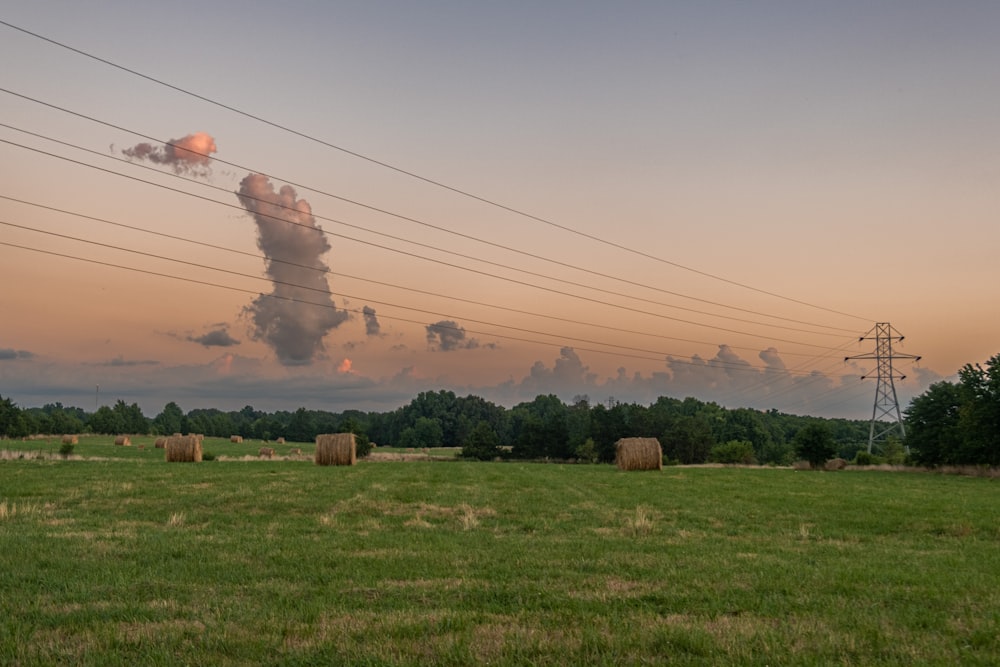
[(835, 464), (266, 452), (236, 439), (183, 449), (123, 441), (281, 441), (639, 454), (70, 440), (336, 449), (160, 443)]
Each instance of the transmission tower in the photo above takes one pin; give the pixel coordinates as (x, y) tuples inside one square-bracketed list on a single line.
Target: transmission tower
[(886, 403)]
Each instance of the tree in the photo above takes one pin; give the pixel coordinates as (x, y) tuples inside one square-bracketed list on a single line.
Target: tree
[(12, 422), (169, 421), (482, 443), (130, 418), (689, 440), (815, 444), (734, 451), (425, 432), (106, 421)]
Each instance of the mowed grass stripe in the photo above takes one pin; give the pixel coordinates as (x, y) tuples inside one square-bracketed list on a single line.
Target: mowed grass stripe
[(406, 563)]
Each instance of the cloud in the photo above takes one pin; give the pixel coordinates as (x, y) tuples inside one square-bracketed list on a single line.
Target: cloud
[(120, 361), (299, 312), (188, 155), (216, 338), (448, 336), (372, 326), (6, 354)]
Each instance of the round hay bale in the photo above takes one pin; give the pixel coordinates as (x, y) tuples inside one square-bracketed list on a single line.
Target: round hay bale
[(336, 449), (266, 452), (183, 449), (123, 441), (236, 439), (295, 451), (70, 440), (835, 464), (639, 454), (281, 441), (160, 443)]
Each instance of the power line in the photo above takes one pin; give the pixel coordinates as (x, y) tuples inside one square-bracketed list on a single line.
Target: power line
[(402, 217), (325, 271), (405, 253), (425, 179), (677, 358)]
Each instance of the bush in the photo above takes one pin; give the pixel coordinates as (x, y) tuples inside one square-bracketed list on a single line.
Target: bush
[(66, 449), (587, 452), (482, 444), (865, 458), (734, 451), (815, 444)]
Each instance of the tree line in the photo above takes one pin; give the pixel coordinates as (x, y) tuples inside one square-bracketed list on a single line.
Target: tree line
[(958, 423), (950, 423), (692, 431)]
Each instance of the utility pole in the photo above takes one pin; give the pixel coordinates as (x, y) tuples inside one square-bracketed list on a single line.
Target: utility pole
[(886, 403)]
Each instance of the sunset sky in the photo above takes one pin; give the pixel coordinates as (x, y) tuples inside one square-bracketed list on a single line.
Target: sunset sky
[(618, 200)]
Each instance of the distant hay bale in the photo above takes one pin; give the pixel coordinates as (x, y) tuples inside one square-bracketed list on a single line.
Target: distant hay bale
[(177, 435), (70, 440), (160, 443), (294, 451), (236, 438), (141, 447), (266, 452), (281, 441), (639, 454), (835, 464), (183, 449), (336, 449), (123, 441)]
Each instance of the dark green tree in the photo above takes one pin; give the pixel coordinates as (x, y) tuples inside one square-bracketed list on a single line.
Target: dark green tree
[(12, 422), (170, 420), (815, 444), (425, 432), (106, 421), (482, 443), (689, 439)]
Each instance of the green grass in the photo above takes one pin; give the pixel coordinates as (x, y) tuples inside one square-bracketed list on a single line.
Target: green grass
[(135, 561)]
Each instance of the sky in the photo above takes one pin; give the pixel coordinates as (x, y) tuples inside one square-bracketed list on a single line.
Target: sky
[(338, 205)]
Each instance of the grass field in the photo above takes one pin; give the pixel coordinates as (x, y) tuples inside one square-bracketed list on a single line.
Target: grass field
[(129, 560)]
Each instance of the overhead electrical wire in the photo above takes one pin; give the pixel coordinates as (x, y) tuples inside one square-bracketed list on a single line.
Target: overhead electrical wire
[(418, 222), (328, 292), (430, 181), (395, 250), (675, 358), (381, 283)]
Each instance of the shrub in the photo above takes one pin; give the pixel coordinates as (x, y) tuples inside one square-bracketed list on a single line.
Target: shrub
[(734, 451), (66, 449), (587, 452), (482, 443)]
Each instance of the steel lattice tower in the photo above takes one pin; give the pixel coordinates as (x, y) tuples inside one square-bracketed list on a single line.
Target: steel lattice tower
[(886, 403)]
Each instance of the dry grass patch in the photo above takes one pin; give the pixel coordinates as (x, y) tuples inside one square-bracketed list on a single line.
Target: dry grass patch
[(176, 519), (10, 510), (641, 523)]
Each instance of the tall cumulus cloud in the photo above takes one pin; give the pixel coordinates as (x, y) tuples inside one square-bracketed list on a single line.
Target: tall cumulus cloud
[(299, 311)]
